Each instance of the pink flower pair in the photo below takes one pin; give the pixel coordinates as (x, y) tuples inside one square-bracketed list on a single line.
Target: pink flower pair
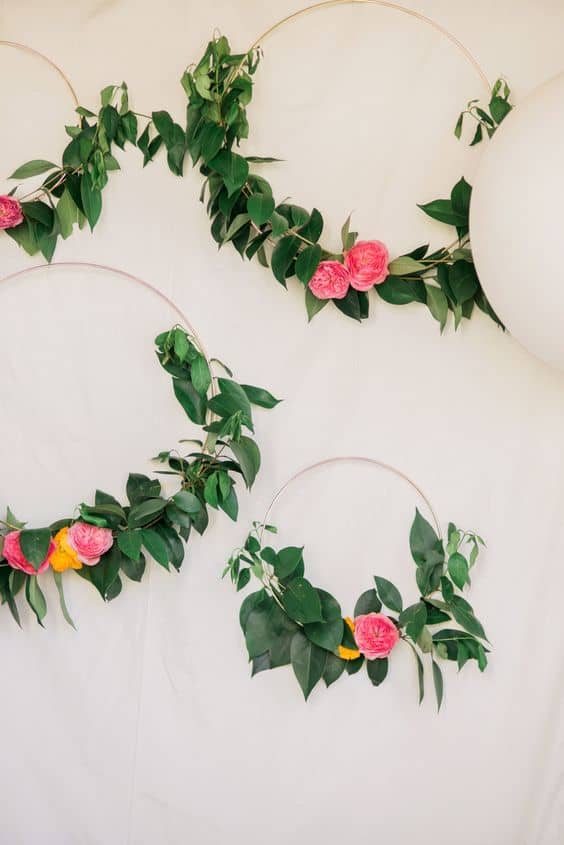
[(366, 264), (88, 541)]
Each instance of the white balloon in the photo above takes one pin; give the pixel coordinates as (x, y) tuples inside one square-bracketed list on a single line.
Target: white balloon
[(517, 222)]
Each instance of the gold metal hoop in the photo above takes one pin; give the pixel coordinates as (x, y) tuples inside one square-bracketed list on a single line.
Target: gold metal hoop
[(351, 458), (46, 59), (388, 5)]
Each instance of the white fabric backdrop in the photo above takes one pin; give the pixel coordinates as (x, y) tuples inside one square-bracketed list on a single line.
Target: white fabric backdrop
[(144, 726)]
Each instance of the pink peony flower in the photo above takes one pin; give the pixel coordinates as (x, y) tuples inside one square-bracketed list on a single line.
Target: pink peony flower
[(367, 263), (375, 635), (10, 213), (89, 541), (13, 553), (331, 280)]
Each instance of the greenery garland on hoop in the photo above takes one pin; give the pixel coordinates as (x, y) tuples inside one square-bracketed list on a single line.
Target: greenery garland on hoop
[(240, 203), (288, 621), (108, 540), (286, 237)]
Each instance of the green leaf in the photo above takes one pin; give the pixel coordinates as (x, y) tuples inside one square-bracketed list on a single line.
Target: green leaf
[(32, 168), (156, 546), (58, 579), (458, 569), (105, 574), (232, 167), (389, 594), (236, 225), (420, 672), (201, 376), (464, 615), (313, 304), (193, 403), (187, 502), (282, 256), (460, 198), (368, 602), (308, 662), (248, 455), (34, 544), (438, 304), (35, 598), (405, 265), (145, 512), (301, 601), (287, 560), (499, 108), (140, 487), (211, 141), (130, 542), (279, 224), (259, 396), (334, 668), (91, 200), (443, 211), (424, 543), (377, 670), (260, 208), (463, 280), (133, 569), (438, 682), (308, 262), (414, 618), (67, 214), (327, 635)]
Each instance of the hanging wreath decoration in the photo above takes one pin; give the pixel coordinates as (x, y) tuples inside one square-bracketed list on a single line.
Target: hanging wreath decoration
[(108, 540), (288, 621), (240, 203), (286, 237)]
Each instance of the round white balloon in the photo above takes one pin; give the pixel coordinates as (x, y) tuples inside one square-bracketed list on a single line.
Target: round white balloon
[(517, 222)]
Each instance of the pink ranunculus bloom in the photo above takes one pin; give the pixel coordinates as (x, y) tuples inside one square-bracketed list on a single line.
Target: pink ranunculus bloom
[(89, 541), (331, 280), (12, 551), (375, 635), (11, 213), (367, 263)]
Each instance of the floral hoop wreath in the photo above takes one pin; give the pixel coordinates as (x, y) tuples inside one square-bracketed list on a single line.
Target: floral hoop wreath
[(106, 541), (286, 237), (288, 621), (240, 204)]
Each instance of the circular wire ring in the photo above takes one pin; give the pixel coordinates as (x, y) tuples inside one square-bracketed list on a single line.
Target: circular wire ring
[(46, 59)]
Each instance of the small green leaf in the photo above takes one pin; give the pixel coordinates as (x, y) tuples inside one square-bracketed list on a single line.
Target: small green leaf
[(405, 265), (377, 670), (458, 569), (389, 594), (301, 601), (308, 662), (130, 543), (36, 599), (438, 304), (156, 546), (261, 397), (368, 603), (282, 256), (34, 544), (58, 578), (438, 682), (187, 502), (308, 262), (260, 208)]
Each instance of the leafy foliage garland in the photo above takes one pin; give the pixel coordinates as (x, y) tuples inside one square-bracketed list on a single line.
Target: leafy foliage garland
[(288, 621), (240, 203), (152, 522)]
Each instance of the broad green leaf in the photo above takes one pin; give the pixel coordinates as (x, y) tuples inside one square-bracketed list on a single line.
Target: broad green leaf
[(458, 569), (420, 672), (187, 502), (327, 635), (307, 263), (308, 662), (460, 198), (313, 304), (286, 561), (464, 615), (193, 403), (301, 601), (248, 455), (405, 265), (259, 396), (424, 543), (32, 168), (201, 376), (156, 546), (260, 208), (145, 512), (413, 618), (368, 602), (388, 594), (232, 167), (130, 543), (34, 544), (443, 211), (377, 670), (235, 226), (282, 256), (463, 280), (140, 487), (91, 200), (334, 668)]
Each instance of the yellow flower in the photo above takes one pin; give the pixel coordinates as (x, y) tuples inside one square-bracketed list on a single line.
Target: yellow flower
[(348, 653), (64, 556)]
